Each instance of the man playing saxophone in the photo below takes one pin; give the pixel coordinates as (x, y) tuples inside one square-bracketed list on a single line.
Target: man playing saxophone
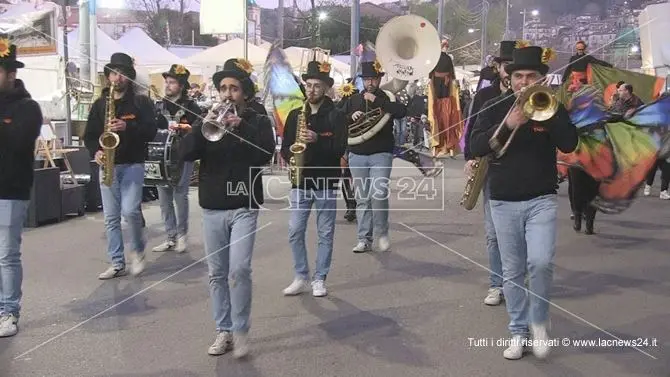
[(134, 121), (499, 85), (523, 200), (371, 161), (320, 128)]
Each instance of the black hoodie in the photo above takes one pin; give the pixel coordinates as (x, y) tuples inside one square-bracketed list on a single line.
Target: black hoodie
[(141, 126), (20, 125), (323, 156)]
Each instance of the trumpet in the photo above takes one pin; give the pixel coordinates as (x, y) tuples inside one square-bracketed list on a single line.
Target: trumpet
[(214, 128), (538, 102)]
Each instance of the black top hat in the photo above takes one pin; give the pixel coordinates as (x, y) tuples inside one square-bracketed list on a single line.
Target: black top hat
[(371, 69), (528, 58), (8, 55), (444, 65), (122, 63), (178, 72), (239, 69), (319, 71), (506, 51)]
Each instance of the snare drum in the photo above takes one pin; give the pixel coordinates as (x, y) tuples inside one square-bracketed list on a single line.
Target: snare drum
[(162, 167)]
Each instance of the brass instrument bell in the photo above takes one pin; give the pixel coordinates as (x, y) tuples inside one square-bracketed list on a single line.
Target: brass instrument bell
[(213, 129)]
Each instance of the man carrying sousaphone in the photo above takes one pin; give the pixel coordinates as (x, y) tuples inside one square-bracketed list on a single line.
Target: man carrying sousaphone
[(182, 112), (371, 160)]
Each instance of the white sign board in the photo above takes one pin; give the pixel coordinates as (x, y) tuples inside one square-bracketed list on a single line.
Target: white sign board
[(222, 16)]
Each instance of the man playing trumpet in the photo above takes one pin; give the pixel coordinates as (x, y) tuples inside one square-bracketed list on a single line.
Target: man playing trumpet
[(523, 200), (371, 161), (325, 136)]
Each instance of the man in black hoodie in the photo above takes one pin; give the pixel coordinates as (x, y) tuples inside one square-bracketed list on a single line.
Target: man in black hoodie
[(182, 112), (21, 121), (134, 120), (371, 160), (230, 191), (523, 200), (325, 136)]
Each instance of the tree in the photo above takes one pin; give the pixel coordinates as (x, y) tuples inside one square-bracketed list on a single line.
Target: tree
[(167, 22)]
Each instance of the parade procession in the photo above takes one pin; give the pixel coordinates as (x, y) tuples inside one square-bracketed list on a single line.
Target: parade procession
[(262, 204)]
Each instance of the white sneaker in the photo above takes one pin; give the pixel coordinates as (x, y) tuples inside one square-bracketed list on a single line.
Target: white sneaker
[(240, 345), (136, 263), (665, 195), (297, 287), (647, 190), (319, 288), (165, 246), (541, 345), (112, 272), (181, 244), (222, 344), (384, 243), (494, 296), (9, 325), (516, 348), (361, 247)]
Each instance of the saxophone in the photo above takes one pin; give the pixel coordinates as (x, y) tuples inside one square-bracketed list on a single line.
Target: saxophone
[(475, 183), (297, 161), (109, 141)]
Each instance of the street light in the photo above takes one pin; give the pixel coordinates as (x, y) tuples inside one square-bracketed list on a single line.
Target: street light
[(472, 30), (634, 49), (533, 13), (323, 16)]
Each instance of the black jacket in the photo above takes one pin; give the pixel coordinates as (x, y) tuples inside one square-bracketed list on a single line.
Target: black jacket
[(417, 106), (230, 175), (257, 107), (482, 96), (190, 110), (141, 126), (21, 123), (324, 154), (528, 169), (383, 141), (578, 63)]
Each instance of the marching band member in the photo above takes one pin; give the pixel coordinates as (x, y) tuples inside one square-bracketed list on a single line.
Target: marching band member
[(184, 111), (22, 122), (500, 85), (523, 196), (371, 161), (230, 192), (326, 138), (135, 123), (346, 91)]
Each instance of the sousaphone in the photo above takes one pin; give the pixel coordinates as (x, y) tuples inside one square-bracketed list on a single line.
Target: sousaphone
[(408, 48)]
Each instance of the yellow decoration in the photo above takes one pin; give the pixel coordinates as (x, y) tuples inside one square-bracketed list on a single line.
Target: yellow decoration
[(521, 44), (4, 47), (244, 65), (324, 67), (180, 69), (346, 90), (377, 66), (548, 54)]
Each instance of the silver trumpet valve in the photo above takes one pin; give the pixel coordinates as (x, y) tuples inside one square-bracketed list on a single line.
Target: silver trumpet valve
[(214, 126)]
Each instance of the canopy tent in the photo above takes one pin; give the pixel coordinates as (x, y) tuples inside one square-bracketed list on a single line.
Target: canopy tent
[(106, 46), (214, 57), (146, 52)]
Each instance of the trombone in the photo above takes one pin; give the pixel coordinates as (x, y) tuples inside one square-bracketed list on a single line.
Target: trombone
[(214, 128), (538, 102)]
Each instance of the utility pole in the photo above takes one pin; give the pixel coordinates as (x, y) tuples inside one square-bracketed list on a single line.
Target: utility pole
[(84, 41), (93, 8), (66, 58), (246, 29), (280, 24), (355, 30), (484, 42), (507, 33), (440, 18)]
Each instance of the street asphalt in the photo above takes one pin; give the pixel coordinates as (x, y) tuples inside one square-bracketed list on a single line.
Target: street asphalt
[(414, 311)]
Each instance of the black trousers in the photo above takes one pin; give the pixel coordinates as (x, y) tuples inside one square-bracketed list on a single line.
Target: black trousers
[(665, 174), (582, 190)]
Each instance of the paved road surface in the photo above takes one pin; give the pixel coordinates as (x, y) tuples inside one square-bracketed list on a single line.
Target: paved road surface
[(409, 312)]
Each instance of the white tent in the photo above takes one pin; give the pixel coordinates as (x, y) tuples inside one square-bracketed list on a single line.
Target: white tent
[(106, 46), (216, 56), (146, 52)]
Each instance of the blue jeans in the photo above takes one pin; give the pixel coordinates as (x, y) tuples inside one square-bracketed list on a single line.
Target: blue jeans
[(301, 202), (371, 180), (12, 216), (399, 128), (176, 224), (229, 243), (495, 263), (526, 234), (123, 198)]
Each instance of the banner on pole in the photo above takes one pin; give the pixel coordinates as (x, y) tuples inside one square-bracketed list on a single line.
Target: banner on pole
[(222, 16)]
